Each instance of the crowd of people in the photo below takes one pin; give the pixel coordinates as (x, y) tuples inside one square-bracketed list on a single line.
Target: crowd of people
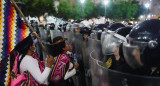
[(132, 49)]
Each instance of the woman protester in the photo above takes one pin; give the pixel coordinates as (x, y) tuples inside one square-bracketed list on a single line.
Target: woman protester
[(63, 69), (27, 69)]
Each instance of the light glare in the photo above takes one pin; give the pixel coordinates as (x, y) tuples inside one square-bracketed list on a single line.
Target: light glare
[(82, 1), (106, 2), (147, 5)]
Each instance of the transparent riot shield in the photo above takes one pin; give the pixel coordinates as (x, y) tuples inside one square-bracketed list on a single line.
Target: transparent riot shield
[(109, 77), (111, 41), (55, 33), (77, 50), (69, 36), (77, 41), (91, 44), (103, 36), (96, 46), (85, 61), (43, 34), (44, 38), (95, 50), (85, 54), (77, 44), (94, 69), (41, 52)]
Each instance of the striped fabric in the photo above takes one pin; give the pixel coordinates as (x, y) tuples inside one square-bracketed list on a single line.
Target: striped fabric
[(12, 31), (60, 68)]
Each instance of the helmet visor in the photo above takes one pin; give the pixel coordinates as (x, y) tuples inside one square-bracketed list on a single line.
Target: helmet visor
[(111, 42), (132, 55)]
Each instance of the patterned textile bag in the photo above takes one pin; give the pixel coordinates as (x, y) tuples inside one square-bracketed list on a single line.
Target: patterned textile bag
[(24, 79)]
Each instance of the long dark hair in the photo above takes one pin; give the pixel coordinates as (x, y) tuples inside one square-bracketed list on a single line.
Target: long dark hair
[(23, 47), (57, 48)]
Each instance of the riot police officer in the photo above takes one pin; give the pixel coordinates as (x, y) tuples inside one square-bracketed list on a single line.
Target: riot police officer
[(142, 49)]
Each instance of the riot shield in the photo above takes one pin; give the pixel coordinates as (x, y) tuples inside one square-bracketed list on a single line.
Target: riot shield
[(111, 42), (95, 50), (96, 46), (43, 34), (49, 49), (94, 69), (85, 54), (91, 44), (77, 49), (77, 44), (55, 33), (103, 36), (69, 36), (109, 77)]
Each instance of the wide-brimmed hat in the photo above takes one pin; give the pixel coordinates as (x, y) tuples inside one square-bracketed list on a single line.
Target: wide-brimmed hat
[(61, 39)]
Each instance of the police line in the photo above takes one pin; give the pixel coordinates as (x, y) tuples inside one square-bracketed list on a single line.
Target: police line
[(91, 54)]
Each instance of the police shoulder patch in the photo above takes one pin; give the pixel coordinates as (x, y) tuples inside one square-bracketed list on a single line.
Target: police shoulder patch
[(109, 62)]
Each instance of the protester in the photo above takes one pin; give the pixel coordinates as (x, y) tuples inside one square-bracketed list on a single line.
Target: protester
[(28, 69), (63, 68)]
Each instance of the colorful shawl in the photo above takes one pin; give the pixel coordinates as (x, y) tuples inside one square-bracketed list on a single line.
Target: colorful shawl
[(60, 68), (26, 78)]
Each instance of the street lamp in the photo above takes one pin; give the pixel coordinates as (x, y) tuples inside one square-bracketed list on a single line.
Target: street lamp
[(147, 5), (82, 9), (149, 16), (105, 3), (141, 16)]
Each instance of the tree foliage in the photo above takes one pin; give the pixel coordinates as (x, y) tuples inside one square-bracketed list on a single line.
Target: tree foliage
[(122, 10), (38, 7), (89, 9), (67, 9), (115, 10)]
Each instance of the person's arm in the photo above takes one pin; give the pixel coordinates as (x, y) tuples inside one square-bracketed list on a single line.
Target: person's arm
[(70, 73), (32, 67)]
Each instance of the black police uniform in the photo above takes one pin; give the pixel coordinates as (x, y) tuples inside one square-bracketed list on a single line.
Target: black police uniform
[(112, 63)]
